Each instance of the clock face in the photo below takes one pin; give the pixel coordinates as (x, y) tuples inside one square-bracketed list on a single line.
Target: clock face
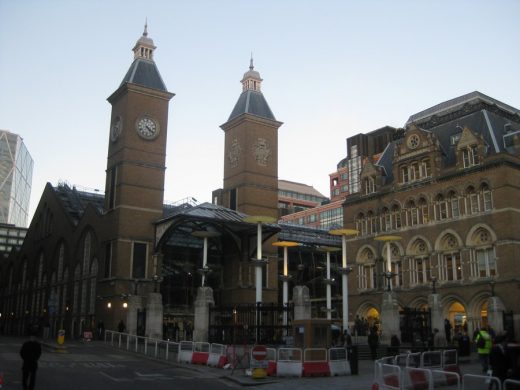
[(147, 127), (116, 128), (413, 141)]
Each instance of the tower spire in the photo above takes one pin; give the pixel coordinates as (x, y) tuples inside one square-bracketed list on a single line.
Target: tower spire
[(251, 80), (144, 46)]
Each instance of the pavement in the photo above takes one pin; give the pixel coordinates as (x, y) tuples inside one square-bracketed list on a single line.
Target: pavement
[(240, 377)]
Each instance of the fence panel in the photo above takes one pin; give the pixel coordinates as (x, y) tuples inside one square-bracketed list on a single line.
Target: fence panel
[(510, 384), (480, 382), (417, 378)]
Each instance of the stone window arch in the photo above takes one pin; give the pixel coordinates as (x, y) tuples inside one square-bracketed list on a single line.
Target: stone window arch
[(450, 263), (420, 263), (483, 263), (366, 269)]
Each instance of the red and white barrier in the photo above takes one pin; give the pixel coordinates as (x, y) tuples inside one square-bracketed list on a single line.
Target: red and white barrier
[(289, 362), (338, 362), (217, 356), (200, 353), (185, 351), (315, 362)]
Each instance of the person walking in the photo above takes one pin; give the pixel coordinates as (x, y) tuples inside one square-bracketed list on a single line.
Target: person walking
[(373, 342), (498, 358), (439, 340), (30, 353), (484, 343)]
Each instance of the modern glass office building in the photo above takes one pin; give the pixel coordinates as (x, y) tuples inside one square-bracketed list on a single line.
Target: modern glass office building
[(16, 166)]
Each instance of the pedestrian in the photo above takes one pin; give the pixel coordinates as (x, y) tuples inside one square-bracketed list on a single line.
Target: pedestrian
[(395, 343), (484, 343), (439, 341), (100, 330), (447, 330), (373, 342), (498, 359), (30, 353), (121, 327)]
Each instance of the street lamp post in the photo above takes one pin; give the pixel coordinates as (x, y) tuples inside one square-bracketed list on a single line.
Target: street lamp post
[(344, 233), (389, 309), (205, 234), (259, 263), (285, 276), (328, 280)]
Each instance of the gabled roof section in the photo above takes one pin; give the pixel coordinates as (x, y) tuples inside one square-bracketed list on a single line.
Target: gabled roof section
[(75, 202), (386, 160)]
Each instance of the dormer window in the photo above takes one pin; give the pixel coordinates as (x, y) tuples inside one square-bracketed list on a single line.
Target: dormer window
[(470, 156), (369, 185)]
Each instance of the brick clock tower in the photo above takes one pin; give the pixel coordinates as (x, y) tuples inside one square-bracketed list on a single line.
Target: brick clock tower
[(251, 152), (134, 191), (251, 180)]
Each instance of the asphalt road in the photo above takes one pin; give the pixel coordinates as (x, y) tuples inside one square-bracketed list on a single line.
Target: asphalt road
[(98, 367)]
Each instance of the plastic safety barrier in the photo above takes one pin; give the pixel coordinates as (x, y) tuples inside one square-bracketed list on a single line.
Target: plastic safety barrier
[(338, 362), (315, 362), (217, 356), (417, 378), (271, 362), (470, 381), (431, 359), (200, 353), (289, 362), (185, 351), (511, 384)]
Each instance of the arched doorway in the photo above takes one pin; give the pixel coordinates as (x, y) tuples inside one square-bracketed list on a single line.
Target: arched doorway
[(457, 317), (367, 317)]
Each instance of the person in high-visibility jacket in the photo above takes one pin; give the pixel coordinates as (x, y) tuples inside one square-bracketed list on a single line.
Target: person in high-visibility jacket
[(484, 344)]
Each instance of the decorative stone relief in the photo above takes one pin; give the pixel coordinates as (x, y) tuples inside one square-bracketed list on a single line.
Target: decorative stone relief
[(234, 153), (262, 151)]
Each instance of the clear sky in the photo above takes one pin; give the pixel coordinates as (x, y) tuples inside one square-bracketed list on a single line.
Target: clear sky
[(331, 69)]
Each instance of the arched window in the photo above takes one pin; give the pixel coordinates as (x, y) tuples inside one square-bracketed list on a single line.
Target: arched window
[(386, 220), (486, 197), (424, 214), (75, 301), (483, 263), (396, 216), (413, 213), (420, 267), (441, 208), (61, 256), (361, 224), (372, 222), (93, 281), (426, 170), (472, 201), (453, 200), (366, 270), (451, 264)]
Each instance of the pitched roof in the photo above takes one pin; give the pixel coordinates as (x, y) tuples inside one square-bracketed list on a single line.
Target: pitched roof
[(75, 202), (254, 103), (144, 72), (301, 188)]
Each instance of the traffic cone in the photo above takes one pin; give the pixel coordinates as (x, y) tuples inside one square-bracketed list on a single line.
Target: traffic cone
[(1, 379)]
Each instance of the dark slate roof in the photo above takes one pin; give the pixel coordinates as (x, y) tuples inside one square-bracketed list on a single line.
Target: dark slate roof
[(385, 161), (307, 235), (144, 72), (75, 202), (254, 103), (207, 211), (457, 104)]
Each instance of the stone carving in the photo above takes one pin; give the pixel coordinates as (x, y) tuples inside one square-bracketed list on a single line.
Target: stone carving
[(262, 151), (234, 153)]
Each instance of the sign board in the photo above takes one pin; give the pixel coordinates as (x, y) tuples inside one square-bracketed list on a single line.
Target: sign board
[(259, 352), (259, 364), (87, 335)]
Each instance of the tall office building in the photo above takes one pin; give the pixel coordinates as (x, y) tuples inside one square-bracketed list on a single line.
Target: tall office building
[(16, 166)]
